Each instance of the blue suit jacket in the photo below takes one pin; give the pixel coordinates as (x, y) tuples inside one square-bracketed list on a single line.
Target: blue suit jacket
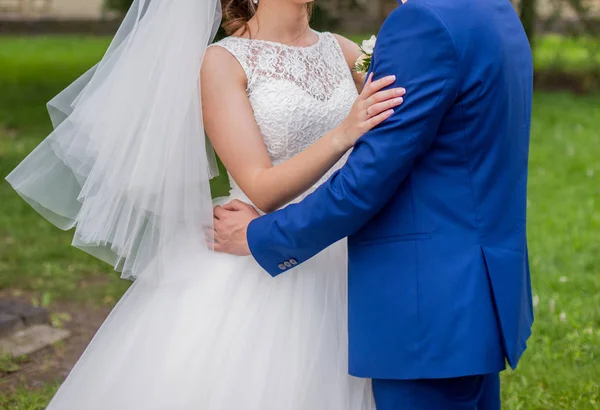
[(433, 201)]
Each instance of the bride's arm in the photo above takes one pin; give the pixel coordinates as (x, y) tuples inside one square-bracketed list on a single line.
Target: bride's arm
[(352, 53), (231, 127)]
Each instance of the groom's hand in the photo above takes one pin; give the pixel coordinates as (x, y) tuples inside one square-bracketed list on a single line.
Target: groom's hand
[(231, 223)]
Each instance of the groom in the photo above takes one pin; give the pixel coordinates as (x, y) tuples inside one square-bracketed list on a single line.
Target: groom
[(433, 203)]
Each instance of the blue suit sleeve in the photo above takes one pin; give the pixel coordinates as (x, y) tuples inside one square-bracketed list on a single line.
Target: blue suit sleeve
[(415, 45)]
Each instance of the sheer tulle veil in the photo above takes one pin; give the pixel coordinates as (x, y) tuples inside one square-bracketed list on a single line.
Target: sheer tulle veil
[(128, 165)]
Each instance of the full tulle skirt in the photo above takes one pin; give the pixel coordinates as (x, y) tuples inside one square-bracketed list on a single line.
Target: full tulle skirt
[(216, 332)]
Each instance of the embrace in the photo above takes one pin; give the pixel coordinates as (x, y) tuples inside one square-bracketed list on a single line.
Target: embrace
[(372, 251)]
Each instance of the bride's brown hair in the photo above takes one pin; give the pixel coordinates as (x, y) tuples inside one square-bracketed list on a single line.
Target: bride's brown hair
[(237, 13)]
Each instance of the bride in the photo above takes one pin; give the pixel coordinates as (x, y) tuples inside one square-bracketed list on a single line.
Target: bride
[(128, 167)]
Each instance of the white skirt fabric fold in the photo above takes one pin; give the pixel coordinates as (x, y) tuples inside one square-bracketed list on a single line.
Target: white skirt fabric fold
[(218, 333)]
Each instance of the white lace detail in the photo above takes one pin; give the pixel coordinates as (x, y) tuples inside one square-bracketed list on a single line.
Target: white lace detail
[(298, 94)]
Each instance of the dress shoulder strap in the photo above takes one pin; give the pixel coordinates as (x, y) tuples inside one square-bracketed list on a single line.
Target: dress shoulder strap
[(241, 50)]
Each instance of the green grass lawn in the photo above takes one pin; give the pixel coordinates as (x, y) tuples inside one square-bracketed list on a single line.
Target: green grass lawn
[(577, 54), (561, 369)]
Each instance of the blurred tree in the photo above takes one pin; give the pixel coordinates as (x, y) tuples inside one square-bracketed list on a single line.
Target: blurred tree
[(119, 5), (322, 19), (528, 17)]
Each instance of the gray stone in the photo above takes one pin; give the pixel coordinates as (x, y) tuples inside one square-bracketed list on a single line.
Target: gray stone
[(31, 339), (32, 315), (8, 323), (29, 315)]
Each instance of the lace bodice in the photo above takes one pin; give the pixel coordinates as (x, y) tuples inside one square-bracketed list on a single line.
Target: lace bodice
[(298, 94)]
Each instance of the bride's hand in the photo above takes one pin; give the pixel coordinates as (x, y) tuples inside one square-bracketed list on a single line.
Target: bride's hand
[(371, 108)]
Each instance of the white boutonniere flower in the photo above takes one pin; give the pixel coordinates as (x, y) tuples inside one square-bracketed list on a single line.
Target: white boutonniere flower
[(363, 63)]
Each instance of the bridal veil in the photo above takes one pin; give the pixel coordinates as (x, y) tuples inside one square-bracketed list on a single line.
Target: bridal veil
[(128, 165)]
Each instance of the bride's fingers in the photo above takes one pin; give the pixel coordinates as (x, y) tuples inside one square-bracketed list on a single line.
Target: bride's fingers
[(376, 86), (385, 95), (377, 109), (378, 119)]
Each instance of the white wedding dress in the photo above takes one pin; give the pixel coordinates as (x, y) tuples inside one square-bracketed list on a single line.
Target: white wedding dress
[(220, 333)]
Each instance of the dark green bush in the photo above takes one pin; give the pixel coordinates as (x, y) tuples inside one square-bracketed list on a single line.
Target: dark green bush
[(120, 5)]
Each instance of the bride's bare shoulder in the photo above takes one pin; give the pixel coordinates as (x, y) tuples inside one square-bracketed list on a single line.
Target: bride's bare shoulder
[(219, 63)]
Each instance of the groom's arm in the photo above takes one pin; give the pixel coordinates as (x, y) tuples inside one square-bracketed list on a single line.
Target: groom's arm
[(414, 45)]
